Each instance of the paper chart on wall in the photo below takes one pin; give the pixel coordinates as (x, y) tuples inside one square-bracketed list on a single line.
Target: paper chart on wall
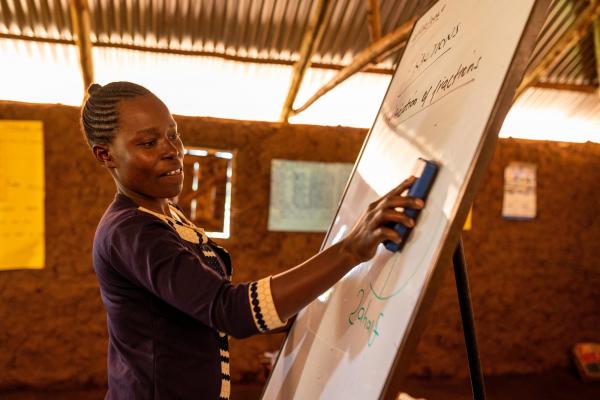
[(305, 195), (21, 195)]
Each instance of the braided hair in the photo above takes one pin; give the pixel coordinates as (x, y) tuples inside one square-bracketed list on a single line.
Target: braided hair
[(100, 113)]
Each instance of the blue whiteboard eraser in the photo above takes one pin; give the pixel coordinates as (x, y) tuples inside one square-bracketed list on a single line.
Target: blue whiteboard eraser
[(425, 172)]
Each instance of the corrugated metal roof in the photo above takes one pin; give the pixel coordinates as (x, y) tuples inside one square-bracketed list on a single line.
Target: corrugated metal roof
[(265, 30), (259, 29), (551, 114), (577, 65), (272, 30)]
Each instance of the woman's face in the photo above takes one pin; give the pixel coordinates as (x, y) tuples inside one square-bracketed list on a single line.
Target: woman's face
[(147, 152)]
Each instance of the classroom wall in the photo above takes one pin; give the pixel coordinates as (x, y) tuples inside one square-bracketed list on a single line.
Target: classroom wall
[(534, 284)]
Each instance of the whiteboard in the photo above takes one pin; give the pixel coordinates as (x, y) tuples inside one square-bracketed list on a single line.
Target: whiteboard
[(447, 98)]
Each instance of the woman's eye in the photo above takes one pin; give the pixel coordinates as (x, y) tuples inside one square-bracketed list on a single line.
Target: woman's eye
[(149, 143), (174, 136)]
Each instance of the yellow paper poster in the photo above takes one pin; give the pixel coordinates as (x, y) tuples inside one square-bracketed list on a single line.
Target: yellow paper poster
[(22, 243)]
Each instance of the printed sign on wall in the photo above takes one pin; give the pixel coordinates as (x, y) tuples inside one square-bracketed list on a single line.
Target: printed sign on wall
[(305, 195), (520, 197)]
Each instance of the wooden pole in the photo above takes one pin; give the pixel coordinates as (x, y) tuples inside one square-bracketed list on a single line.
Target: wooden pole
[(589, 89), (80, 18), (385, 55), (225, 56), (310, 42), (573, 35), (374, 19), (362, 59), (597, 49)]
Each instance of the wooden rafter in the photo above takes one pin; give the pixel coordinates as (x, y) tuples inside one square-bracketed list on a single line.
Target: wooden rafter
[(565, 86), (233, 57), (80, 18), (374, 19), (572, 36), (393, 40), (389, 53), (597, 49), (310, 42)]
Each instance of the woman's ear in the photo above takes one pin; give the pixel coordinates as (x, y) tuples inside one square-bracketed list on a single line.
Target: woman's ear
[(103, 155)]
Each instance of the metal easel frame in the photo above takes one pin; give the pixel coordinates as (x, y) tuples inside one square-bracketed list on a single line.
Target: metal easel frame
[(468, 321)]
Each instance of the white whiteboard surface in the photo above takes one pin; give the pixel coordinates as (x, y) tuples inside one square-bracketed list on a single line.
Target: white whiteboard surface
[(438, 105)]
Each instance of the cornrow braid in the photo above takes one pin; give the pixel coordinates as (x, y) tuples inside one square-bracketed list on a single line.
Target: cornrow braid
[(100, 114)]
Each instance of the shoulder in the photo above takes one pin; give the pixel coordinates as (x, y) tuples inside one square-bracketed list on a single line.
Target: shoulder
[(131, 223), (125, 220), (128, 239)]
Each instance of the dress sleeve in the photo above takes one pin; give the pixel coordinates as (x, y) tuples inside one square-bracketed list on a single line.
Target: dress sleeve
[(149, 253)]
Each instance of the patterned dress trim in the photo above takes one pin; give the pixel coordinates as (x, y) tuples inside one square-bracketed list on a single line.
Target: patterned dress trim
[(185, 229), (264, 312)]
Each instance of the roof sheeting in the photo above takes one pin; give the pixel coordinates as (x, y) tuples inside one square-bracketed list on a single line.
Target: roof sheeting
[(265, 30), (550, 114), (260, 30), (271, 31)]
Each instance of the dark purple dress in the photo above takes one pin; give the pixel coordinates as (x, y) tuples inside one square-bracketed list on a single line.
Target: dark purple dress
[(170, 305)]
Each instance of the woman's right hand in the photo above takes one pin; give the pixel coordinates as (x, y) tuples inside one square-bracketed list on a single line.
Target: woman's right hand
[(370, 230), (298, 286)]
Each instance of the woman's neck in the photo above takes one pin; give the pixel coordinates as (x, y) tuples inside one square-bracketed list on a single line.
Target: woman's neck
[(158, 205)]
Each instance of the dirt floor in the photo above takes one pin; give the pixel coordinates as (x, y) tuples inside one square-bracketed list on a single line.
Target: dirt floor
[(554, 386)]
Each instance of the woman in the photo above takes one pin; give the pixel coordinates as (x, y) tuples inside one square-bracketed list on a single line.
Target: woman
[(165, 285)]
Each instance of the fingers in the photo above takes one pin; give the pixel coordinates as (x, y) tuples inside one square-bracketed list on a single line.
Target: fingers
[(389, 210), (393, 210), (404, 202), (391, 207), (405, 185), (384, 233), (399, 217), (397, 191)]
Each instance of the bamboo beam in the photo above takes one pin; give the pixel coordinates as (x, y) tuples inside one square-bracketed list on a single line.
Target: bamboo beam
[(589, 89), (80, 19), (573, 35), (388, 42), (390, 52), (597, 50), (374, 19), (374, 24), (232, 57), (310, 42)]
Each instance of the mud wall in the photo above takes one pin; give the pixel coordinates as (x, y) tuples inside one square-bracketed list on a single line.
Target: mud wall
[(534, 284)]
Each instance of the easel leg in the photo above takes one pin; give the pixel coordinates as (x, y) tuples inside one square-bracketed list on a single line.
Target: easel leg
[(466, 313)]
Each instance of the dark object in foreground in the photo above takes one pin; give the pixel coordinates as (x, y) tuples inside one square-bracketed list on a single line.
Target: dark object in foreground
[(468, 321), (587, 360)]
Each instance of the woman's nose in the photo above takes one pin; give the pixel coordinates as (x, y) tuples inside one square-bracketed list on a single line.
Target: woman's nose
[(171, 150)]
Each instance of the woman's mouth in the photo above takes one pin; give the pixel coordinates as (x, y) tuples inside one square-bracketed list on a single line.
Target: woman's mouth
[(177, 171)]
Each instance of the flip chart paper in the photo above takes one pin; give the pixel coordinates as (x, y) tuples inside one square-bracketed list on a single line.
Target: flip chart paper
[(22, 243), (305, 195)]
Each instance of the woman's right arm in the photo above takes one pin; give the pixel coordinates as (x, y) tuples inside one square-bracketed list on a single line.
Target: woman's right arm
[(297, 287), (149, 252)]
